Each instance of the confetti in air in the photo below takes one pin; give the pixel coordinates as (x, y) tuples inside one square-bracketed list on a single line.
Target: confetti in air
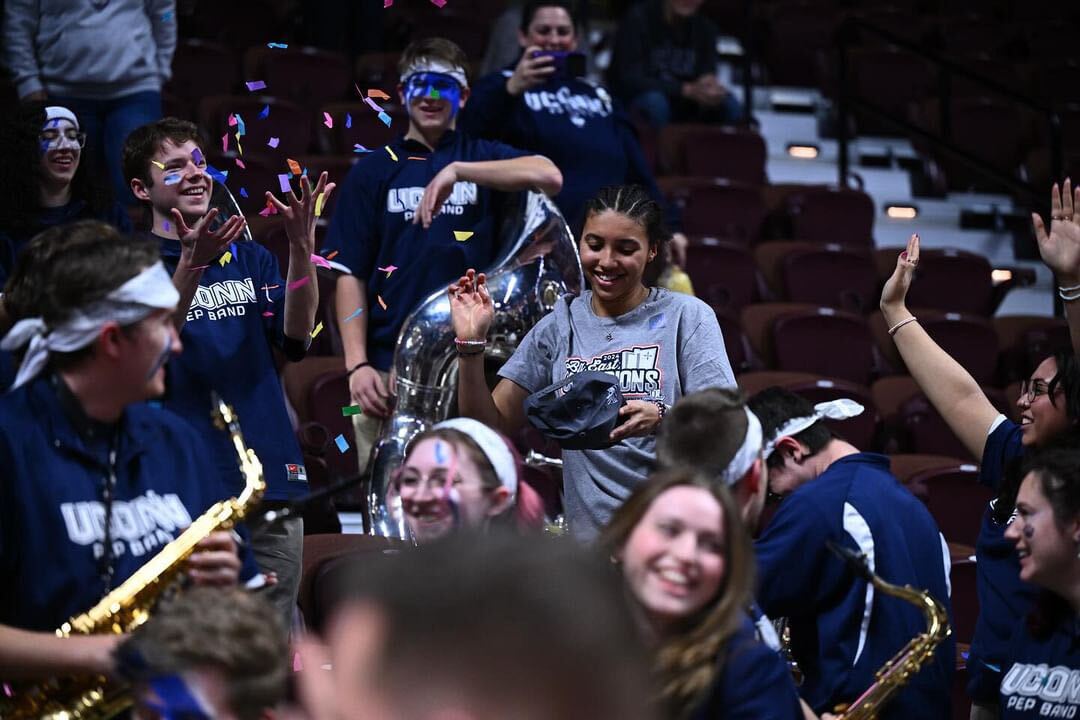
[(358, 148), (294, 167), (462, 235), (279, 46), (342, 444), (273, 142), (283, 181), (319, 206), (298, 283), (389, 270), (392, 155), (256, 85), (348, 120), (376, 92), (160, 165), (265, 112), (328, 120), (320, 261), (385, 117), (226, 257), (354, 313), (382, 303), (243, 192), (317, 330), (350, 410)]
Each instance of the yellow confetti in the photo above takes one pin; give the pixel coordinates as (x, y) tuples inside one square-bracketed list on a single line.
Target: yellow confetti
[(294, 167), (392, 155), (462, 235), (317, 330), (382, 303), (225, 259), (160, 165), (239, 149), (319, 204)]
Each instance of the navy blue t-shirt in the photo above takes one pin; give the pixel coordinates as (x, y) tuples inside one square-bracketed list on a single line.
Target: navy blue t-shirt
[(1004, 599), (842, 629), (372, 227), (51, 506), (572, 122), (228, 348), (753, 683), (1042, 676)]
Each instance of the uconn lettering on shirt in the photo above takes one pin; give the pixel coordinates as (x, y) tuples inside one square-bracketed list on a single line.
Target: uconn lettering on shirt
[(566, 102), (637, 369), (1042, 690), (138, 526), (228, 298), (406, 200)]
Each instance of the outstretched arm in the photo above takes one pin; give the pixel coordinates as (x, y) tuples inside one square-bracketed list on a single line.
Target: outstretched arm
[(948, 386), (1060, 250), (523, 173), (25, 654)]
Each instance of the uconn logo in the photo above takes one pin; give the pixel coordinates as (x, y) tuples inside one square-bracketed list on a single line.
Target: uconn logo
[(227, 298), (138, 526), (1052, 692), (407, 199), (566, 102)]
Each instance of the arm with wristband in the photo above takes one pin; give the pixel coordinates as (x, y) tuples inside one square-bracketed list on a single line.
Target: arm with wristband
[(1060, 250)]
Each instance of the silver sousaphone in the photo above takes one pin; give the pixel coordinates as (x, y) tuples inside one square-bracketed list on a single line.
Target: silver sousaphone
[(538, 264)]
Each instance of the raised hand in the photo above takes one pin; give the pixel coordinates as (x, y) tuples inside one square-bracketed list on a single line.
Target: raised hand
[(435, 195), (1060, 247), (199, 245), (894, 294), (471, 309), (300, 214)]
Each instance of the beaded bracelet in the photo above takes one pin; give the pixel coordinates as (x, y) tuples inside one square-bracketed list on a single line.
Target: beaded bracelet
[(470, 347), (902, 323)]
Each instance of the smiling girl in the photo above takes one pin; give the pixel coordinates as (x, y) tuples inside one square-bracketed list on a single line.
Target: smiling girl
[(661, 345)]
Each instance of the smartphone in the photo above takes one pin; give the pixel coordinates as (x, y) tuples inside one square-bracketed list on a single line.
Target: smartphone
[(567, 64)]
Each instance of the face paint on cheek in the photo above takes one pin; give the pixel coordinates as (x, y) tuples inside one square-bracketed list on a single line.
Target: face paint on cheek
[(176, 700), (172, 178), (435, 86), (197, 156)]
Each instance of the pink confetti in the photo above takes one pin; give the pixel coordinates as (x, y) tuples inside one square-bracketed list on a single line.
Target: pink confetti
[(232, 121), (240, 164), (225, 142), (320, 261), (388, 269), (273, 142), (268, 211), (438, 3), (268, 314), (387, 3), (327, 120), (283, 181), (256, 85), (200, 267), (298, 283)]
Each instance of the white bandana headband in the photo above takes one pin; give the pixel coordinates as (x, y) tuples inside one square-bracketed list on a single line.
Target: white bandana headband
[(424, 64), (59, 112), (492, 445), (150, 290), (839, 409), (747, 453)]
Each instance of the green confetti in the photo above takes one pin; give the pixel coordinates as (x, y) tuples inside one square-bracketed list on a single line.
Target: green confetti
[(350, 410)]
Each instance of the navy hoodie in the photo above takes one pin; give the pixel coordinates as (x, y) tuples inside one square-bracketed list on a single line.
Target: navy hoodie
[(1042, 674), (372, 228), (842, 629), (572, 122), (228, 347), (51, 509)]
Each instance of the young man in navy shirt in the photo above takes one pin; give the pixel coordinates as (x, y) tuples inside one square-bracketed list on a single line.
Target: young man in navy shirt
[(235, 309), (842, 629), (415, 215)]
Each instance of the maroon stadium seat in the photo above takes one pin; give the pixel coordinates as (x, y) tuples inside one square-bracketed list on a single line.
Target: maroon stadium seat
[(825, 214), (831, 275), (946, 279), (723, 273), (716, 207)]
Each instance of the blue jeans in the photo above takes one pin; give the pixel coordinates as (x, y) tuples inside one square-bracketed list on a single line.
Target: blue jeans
[(107, 124), (659, 110)]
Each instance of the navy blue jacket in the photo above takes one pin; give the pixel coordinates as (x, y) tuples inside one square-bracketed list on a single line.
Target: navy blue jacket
[(51, 510), (842, 629), (754, 683), (573, 123), (372, 228), (228, 348), (1004, 599), (1042, 675)]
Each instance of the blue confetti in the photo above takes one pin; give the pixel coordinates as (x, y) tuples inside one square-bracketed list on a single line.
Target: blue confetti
[(232, 249), (240, 124), (355, 313), (220, 176), (167, 16), (243, 192), (348, 120), (342, 444), (280, 46), (265, 112), (358, 148), (384, 117)]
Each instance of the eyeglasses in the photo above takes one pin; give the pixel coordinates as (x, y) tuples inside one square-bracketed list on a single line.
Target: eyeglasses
[(52, 138), (1031, 389)]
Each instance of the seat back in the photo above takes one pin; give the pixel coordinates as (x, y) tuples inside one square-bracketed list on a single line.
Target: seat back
[(723, 273), (956, 500), (824, 214), (826, 342), (831, 275)]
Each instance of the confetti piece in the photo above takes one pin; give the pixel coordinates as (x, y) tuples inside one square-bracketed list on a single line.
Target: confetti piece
[(382, 303), (350, 410), (294, 167), (415, 157), (268, 210), (320, 261), (462, 235), (241, 129), (240, 164), (273, 142), (232, 121), (385, 118), (225, 143), (197, 156), (167, 16), (279, 46), (438, 3), (257, 85), (317, 330), (319, 204), (265, 112), (342, 444), (354, 313), (283, 181), (268, 314), (160, 165), (332, 255), (328, 121), (392, 155), (173, 178), (239, 149), (389, 270), (165, 224), (298, 283), (243, 192), (348, 120), (387, 3), (221, 176), (225, 259), (199, 267), (372, 104), (376, 92), (358, 148)]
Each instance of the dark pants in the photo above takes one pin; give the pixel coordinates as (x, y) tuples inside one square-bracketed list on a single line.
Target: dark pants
[(658, 110)]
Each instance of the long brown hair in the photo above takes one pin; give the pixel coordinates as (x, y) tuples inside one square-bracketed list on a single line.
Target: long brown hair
[(688, 659)]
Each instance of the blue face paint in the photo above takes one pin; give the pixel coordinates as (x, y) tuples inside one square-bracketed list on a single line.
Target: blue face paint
[(436, 86), (440, 452), (173, 178), (176, 702)]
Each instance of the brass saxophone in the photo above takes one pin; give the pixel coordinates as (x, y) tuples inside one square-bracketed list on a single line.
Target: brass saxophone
[(894, 674), (130, 604)]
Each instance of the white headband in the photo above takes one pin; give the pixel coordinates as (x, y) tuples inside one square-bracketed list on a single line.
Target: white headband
[(839, 409), (424, 64), (58, 112), (747, 453), (492, 445), (150, 290)]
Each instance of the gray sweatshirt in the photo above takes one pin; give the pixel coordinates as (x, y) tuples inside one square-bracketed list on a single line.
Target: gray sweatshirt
[(91, 49)]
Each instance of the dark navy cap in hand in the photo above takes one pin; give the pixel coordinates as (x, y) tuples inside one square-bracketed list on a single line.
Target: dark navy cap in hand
[(579, 411)]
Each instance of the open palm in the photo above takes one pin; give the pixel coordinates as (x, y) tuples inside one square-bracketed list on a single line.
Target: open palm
[(1060, 247), (471, 309)]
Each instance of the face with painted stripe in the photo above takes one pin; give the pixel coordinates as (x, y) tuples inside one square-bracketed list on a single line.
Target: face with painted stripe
[(433, 100)]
